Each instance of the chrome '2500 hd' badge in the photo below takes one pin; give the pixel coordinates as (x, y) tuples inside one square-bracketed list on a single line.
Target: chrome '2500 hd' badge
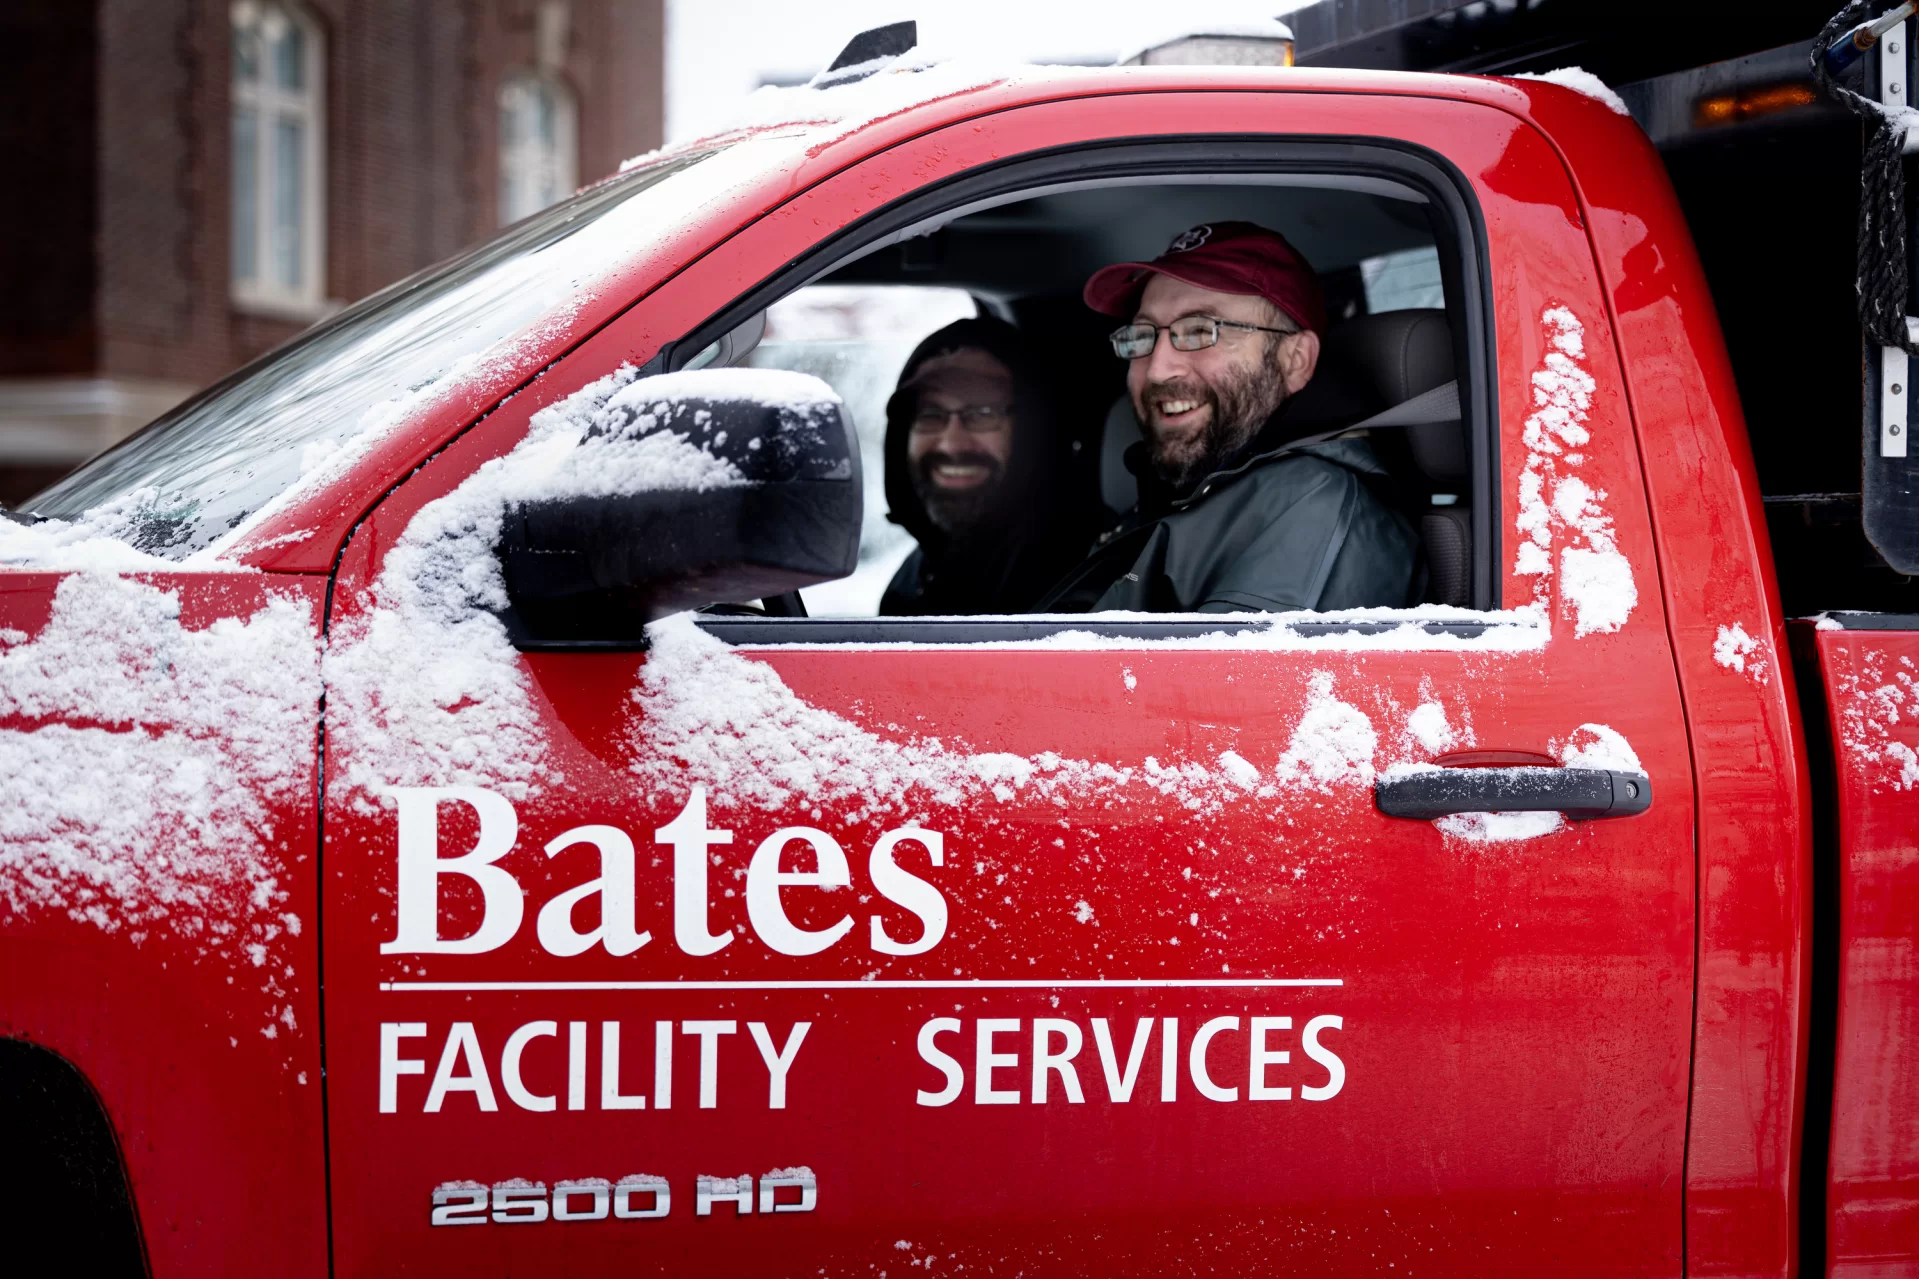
[(517, 1201)]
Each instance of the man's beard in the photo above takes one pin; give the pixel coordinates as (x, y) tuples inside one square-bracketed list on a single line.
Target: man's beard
[(1241, 402), (958, 512)]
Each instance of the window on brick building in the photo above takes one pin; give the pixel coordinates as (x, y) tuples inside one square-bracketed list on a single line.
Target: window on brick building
[(278, 229), (539, 153)]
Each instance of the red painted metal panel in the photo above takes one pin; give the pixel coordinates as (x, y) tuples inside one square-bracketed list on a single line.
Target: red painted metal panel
[(1729, 639), (1872, 691), (1515, 1018), (178, 972)]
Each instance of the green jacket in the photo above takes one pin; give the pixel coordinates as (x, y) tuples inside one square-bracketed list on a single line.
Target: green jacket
[(1297, 526)]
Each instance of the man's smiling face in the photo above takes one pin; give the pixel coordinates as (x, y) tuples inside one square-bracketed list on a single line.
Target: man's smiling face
[(1197, 408), (961, 441)]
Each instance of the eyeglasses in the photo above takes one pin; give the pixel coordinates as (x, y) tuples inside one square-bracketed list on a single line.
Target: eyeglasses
[(978, 419), (1188, 333)]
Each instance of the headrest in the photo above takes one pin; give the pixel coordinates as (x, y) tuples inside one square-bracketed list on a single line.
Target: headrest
[(1405, 354), (1118, 487)]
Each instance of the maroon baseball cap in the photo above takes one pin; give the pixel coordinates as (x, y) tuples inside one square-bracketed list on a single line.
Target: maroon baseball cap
[(1228, 257)]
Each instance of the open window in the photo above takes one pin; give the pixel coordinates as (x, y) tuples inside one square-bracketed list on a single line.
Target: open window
[(1392, 235)]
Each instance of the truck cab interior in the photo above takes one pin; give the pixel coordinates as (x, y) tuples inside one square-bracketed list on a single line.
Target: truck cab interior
[(1393, 291)]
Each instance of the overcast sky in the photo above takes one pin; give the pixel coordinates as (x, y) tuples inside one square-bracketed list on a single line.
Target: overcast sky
[(718, 51)]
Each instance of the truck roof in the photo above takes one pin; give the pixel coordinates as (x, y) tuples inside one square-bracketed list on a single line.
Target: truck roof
[(912, 97)]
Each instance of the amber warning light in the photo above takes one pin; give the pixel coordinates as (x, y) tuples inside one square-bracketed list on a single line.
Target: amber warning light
[(1752, 104)]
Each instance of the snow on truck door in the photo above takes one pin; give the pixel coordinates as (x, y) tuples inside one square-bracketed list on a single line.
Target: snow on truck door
[(1058, 953)]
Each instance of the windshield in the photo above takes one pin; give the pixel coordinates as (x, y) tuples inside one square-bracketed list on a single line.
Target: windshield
[(304, 413)]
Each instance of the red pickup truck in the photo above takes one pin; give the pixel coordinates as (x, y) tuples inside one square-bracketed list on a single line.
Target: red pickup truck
[(403, 872)]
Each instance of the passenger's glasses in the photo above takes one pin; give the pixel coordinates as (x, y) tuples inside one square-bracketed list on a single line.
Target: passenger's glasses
[(1188, 333), (978, 419)]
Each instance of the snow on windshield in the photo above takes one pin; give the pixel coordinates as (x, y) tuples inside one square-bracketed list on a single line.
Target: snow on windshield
[(193, 484)]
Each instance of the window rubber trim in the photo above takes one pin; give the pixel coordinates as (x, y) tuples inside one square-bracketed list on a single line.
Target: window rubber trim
[(1464, 263)]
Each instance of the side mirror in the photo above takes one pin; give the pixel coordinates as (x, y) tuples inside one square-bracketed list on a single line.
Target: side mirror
[(684, 490)]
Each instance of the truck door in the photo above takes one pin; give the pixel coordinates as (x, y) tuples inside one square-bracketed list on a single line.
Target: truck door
[(787, 948)]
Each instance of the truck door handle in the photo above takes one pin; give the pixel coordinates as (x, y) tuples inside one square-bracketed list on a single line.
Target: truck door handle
[(1580, 793)]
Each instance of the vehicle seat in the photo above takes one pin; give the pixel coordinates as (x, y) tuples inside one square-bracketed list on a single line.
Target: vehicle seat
[(1404, 354), (1118, 487)]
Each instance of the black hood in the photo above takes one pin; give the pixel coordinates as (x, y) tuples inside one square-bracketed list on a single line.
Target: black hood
[(1036, 470)]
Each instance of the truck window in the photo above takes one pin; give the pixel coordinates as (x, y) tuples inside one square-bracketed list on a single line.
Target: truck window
[(203, 469), (1024, 262), (1403, 280)]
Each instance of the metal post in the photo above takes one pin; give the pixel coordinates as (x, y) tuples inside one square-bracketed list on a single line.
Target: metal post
[(1894, 388)]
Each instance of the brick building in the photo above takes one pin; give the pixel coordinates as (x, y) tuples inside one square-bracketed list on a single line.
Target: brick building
[(191, 182)]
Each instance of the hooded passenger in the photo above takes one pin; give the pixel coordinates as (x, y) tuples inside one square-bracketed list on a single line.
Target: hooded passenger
[(975, 471)]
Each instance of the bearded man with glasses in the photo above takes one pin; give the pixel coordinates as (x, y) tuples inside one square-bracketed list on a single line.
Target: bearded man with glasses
[(978, 474), (1237, 513)]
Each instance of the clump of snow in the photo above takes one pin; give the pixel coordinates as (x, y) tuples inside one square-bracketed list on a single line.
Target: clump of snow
[(642, 1180), (159, 814), (1598, 746), (1580, 80), (1873, 700), (1827, 622), (1083, 911), (1241, 772), (428, 688), (1596, 585), (1735, 650), (1427, 725), (1599, 584), (1498, 828), (1334, 742), (781, 388)]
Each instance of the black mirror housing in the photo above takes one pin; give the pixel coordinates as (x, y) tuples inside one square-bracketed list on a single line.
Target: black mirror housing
[(702, 487)]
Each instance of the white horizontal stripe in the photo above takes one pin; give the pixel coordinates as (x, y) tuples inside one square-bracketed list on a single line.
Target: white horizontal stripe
[(957, 983)]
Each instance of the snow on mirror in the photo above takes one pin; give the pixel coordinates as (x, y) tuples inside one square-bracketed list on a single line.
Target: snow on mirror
[(679, 491), (856, 338)]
